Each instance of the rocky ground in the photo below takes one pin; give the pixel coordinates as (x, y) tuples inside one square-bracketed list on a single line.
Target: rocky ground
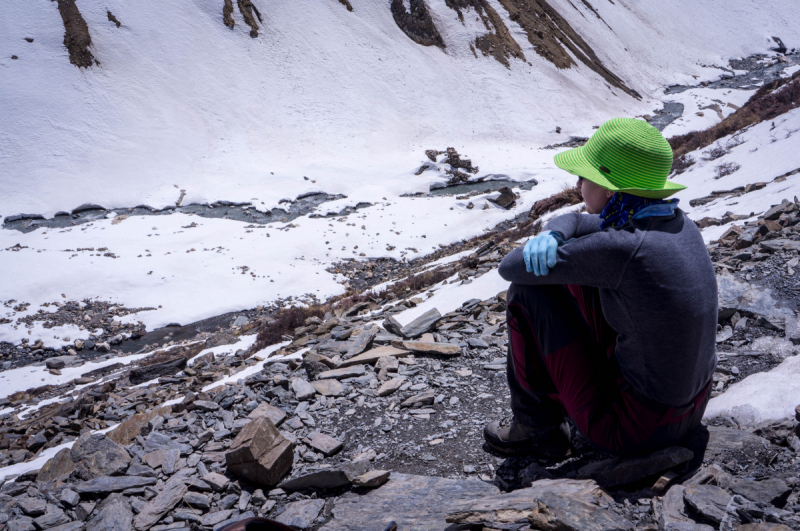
[(311, 434)]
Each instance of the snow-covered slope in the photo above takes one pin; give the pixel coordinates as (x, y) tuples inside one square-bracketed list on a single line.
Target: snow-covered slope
[(178, 98)]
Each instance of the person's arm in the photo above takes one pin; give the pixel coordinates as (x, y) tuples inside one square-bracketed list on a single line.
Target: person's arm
[(598, 259), (574, 225)]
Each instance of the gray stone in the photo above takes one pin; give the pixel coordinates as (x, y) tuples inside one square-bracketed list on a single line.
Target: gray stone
[(32, 506), (362, 342), (390, 386), (273, 413), (199, 500), (213, 518), (773, 491), (151, 372), (69, 498), (166, 459), (20, 523), (96, 455), (724, 442), (420, 325), (216, 481), (372, 479), (329, 387), (51, 519), (746, 298), (59, 362), (114, 513), (393, 326), (106, 484), (322, 443), (259, 453), (327, 478), (69, 526), (622, 471), (413, 502), (205, 405), (35, 442), (303, 390), (708, 501), (301, 514), (557, 511), (422, 399), (156, 508), (443, 349), (476, 342), (344, 372)]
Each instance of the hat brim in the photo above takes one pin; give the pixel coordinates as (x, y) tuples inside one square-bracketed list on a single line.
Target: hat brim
[(575, 162)]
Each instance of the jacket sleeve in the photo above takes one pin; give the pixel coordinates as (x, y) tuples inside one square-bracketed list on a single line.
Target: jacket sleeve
[(574, 225), (598, 259)]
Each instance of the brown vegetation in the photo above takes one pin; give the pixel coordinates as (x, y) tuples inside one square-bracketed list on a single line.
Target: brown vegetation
[(346, 3), (227, 14), (568, 196), (76, 34), (498, 42), (769, 102)]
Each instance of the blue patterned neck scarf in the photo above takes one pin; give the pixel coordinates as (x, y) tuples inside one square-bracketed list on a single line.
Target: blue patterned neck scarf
[(624, 207)]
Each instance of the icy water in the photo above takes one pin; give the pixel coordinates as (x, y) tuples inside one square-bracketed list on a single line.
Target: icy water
[(481, 186)]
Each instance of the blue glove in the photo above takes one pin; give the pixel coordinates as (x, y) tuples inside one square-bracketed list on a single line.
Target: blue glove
[(540, 253)]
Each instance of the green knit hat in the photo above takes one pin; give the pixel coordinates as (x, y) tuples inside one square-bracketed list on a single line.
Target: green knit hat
[(624, 155)]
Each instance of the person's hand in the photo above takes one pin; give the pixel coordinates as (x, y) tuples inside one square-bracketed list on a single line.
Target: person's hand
[(540, 253)]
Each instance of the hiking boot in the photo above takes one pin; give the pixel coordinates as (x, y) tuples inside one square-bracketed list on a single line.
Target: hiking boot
[(518, 439)]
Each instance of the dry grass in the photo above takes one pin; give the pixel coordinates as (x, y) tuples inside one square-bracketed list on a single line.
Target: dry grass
[(568, 196), (766, 104), (29, 393)]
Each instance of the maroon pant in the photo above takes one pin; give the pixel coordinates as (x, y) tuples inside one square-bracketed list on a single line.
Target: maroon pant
[(561, 360)]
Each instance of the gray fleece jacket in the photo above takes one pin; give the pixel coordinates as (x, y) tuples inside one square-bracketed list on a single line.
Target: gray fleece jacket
[(657, 289)]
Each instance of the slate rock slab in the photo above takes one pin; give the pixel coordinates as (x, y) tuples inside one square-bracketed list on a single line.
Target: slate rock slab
[(415, 502), (329, 387), (322, 443), (58, 468), (273, 413), (614, 472), (156, 508), (106, 484), (514, 508), (151, 372), (373, 355), (301, 514), (444, 349), (372, 479), (341, 373), (327, 478), (114, 513), (420, 325), (362, 342), (773, 491), (424, 398), (557, 511), (96, 455), (303, 390), (708, 501)]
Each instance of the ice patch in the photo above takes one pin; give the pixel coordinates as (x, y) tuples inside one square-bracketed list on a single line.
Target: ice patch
[(761, 397)]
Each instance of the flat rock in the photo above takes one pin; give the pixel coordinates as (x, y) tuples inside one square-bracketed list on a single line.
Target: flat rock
[(420, 325), (421, 399), (323, 443), (216, 481), (243, 516), (373, 355), (151, 372), (724, 441), (393, 326), (156, 508), (303, 390), (707, 500), (413, 502), (106, 484), (444, 349), (329, 387), (772, 491), (344, 372), (613, 472), (764, 526), (390, 386), (59, 362), (301, 514), (114, 513), (273, 413), (327, 478), (259, 453), (96, 455), (372, 479), (31, 506), (205, 405), (164, 458)]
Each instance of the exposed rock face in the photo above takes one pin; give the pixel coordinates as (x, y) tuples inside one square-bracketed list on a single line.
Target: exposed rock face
[(58, 468), (417, 24), (76, 34), (498, 42), (150, 372)]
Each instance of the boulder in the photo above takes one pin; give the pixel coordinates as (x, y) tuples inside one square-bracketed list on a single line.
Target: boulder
[(114, 513), (259, 453), (58, 468), (96, 455), (273, 413)]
